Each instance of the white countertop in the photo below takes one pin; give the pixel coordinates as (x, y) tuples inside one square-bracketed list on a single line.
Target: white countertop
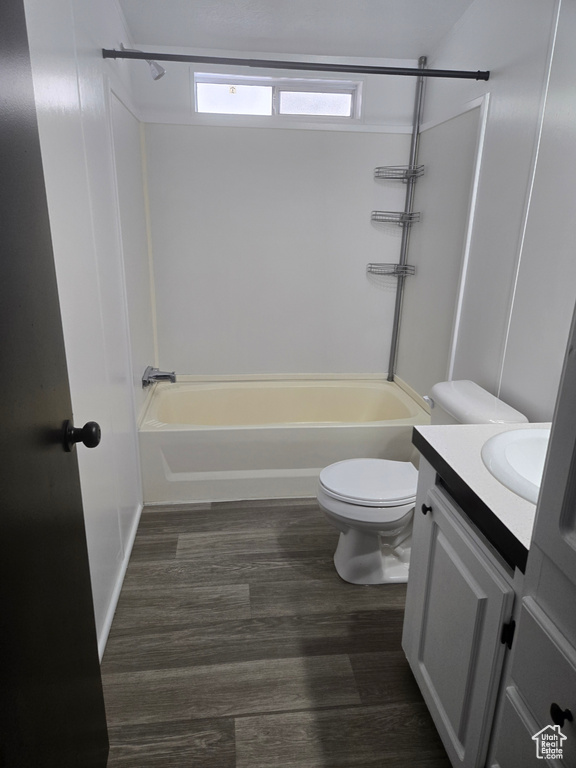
[(460, 446)]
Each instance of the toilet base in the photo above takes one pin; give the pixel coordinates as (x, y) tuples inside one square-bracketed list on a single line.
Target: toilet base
[(362, 558)]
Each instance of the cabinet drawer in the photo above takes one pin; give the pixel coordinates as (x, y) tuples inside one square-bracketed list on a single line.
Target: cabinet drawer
[(544, 671)]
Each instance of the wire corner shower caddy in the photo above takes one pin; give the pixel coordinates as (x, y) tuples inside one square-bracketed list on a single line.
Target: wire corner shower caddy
[(392, 270), (399, 172), (409, 174), (402, 218)]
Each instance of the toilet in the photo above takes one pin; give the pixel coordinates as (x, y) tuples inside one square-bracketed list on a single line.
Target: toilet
[(371, 501)]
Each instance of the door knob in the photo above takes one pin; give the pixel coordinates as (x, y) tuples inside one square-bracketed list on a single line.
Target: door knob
[(89, 434)]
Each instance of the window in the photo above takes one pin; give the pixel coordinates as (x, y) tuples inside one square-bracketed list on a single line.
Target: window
[(228, 99), (236, 95), (335, 104)]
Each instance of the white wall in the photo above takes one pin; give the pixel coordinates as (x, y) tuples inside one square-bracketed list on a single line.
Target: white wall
[(546, 287), (73, 102), (437, 247), (261, 229), (261, 239), (513, 40), (137, 260)]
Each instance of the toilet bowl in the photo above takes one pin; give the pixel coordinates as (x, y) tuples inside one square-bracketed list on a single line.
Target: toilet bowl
[(371, 503)]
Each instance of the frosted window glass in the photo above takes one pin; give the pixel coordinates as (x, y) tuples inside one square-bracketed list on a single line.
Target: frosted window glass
[(306, 103), (219, 98)]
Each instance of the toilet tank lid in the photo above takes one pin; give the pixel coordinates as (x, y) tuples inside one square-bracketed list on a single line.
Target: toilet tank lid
[(468, 403)]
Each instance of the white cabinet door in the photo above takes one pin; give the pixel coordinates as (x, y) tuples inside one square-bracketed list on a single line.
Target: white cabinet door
[(456, 606)]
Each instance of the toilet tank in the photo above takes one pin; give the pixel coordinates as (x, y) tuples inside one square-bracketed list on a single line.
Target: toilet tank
[(464, 402)]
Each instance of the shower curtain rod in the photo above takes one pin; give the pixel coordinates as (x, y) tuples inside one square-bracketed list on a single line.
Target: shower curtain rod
[(310, 66)]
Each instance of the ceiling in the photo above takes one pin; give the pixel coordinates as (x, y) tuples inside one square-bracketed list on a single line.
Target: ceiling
[(402, 29)]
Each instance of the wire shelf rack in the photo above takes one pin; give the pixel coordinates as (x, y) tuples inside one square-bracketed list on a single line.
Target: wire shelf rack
[(395, 270), (395, 217), (399, 172)]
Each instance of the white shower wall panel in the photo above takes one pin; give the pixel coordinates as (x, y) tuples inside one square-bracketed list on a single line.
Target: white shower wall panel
[(260, 241), (513, 40), (546, 286), (132, 211), (437, 249)]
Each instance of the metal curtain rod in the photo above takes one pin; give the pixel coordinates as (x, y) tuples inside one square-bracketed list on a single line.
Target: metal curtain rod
[(310, 66)]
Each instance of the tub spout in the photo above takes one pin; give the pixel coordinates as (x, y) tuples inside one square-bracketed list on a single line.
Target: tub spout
[(151, 375)]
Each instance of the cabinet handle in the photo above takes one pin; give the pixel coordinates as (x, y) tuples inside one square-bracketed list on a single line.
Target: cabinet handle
[(559, 716), (425, 509)]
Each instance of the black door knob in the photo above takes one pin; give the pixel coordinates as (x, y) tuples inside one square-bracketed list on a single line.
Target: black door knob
[(425, 509), (559, 715), (89, 434)]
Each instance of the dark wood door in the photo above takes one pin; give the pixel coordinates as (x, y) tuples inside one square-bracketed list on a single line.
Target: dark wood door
[(51, 703)]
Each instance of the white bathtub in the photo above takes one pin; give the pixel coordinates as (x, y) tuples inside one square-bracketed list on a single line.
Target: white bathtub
[(266, 438)]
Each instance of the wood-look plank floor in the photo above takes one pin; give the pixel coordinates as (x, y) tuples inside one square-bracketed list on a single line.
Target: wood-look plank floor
[(236, 645)]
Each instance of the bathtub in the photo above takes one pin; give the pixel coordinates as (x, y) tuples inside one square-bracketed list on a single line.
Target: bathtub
[(254, 438)]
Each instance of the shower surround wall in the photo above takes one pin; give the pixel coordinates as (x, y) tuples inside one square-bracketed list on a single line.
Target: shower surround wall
[(261, 238), (126, 132), (437, 247), (519, 258), (519, 296)]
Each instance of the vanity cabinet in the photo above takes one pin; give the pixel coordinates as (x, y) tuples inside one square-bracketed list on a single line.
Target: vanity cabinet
[(459, 607)]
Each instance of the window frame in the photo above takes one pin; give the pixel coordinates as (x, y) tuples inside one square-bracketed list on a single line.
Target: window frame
[(353, 88)]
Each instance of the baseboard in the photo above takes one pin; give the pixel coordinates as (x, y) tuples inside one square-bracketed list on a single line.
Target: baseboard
[(103, 638)]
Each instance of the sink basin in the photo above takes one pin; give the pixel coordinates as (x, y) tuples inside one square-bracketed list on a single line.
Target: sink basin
[(516, 458)]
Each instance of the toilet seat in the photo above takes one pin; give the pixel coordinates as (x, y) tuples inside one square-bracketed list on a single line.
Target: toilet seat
[(371, 518), (370, 482)]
